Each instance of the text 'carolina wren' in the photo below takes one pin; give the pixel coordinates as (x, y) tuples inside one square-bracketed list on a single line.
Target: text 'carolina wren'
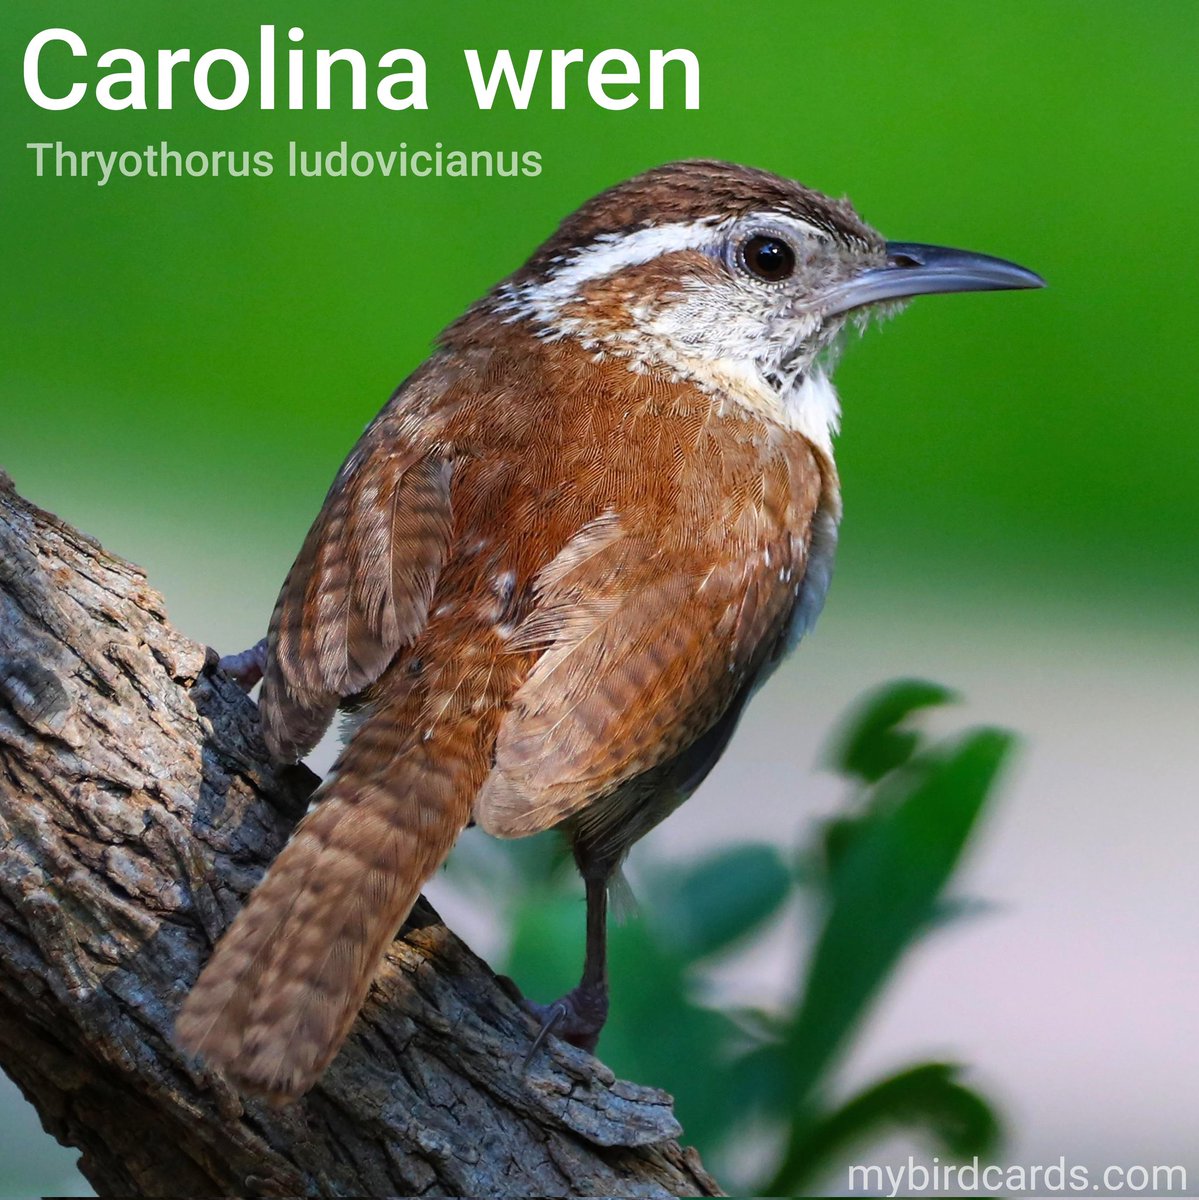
[(551, 574)]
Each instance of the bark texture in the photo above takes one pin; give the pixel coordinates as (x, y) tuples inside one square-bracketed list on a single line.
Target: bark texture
[(137, 810)]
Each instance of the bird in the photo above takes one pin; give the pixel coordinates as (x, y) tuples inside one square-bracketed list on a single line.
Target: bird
[(551, 574)]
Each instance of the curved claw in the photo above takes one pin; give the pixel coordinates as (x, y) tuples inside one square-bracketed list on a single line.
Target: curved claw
[(551, 1016), (576, 1018)]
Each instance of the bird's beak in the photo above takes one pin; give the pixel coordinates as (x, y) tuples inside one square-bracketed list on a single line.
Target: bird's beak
[(913, 269)]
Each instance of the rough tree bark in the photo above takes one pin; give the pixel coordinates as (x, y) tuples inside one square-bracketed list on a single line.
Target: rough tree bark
[(137, 809)]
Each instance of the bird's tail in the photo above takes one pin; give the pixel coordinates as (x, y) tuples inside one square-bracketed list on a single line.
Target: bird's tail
[(277, 998)]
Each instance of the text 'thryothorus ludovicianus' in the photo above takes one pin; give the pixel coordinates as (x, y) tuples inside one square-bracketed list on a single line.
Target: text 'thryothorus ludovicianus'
[(551, 574)]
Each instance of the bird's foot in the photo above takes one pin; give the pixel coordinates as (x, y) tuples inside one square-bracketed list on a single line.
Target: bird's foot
[(246, 668), (576, 1018)]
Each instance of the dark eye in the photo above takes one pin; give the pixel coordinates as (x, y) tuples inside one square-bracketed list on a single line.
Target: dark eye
[(768, 258)]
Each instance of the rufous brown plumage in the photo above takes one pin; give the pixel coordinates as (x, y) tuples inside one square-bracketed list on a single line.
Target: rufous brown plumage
[(551, 573)]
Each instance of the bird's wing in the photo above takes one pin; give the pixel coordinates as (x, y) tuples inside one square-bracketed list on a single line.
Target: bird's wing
[(360, 588), (639, 658)]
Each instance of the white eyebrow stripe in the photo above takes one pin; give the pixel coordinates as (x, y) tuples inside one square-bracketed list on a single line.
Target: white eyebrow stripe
[(612, 252), (785, 223), (543, 300)]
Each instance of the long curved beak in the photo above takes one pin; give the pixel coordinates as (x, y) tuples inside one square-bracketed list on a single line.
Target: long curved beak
[(913, 269)]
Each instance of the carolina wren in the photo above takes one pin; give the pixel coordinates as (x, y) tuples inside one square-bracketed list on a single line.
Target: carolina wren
[(550, 575)]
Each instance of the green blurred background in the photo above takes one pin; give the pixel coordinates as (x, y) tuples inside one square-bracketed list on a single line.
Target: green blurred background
[(184, 362)]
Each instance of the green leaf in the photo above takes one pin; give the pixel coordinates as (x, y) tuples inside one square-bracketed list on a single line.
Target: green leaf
[(757, 1082), (708, 907), (871, 742), (927, 1099), (882, 896), (834, 838)]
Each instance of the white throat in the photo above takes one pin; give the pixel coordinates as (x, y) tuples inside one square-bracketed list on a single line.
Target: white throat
[(808, 405), (814, 409)]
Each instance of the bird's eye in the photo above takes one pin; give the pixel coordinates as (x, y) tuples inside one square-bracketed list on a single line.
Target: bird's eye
[(768, 258)]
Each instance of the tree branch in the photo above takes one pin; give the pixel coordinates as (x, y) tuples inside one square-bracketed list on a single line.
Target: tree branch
[(137, 810)]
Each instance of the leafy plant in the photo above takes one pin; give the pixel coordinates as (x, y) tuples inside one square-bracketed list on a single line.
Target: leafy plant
[(875, 878)]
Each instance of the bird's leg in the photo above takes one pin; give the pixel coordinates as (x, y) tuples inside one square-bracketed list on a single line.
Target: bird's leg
[(246, 668), (579, 1016)]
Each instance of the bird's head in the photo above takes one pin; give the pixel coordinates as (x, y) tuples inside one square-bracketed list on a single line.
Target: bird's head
[(732, 277)]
